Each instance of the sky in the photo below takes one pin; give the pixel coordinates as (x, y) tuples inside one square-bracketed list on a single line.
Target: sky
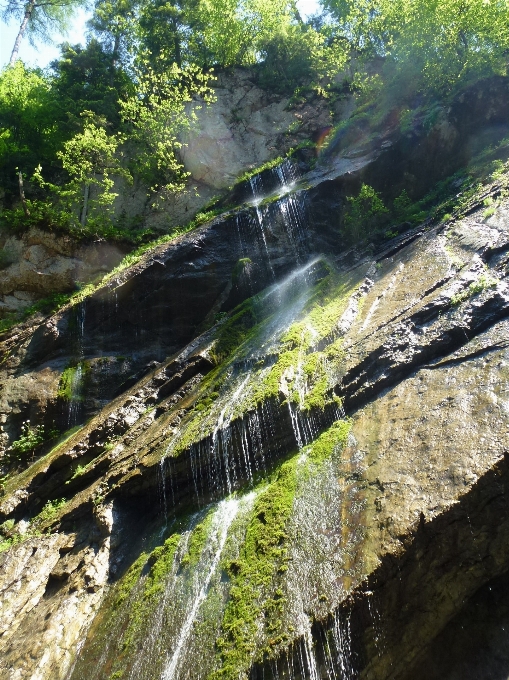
[(42, 54)]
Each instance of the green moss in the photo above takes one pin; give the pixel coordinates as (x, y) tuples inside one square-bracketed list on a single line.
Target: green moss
[(255, 608), (309, 372), (263, 553), (123, 589), (240, 267), (197, 542), (16, 481), (298, 346), (70, 387), (332, 440), (316, 398), (160, 562), (235, 331), (261, 168), (483, 283), (11, 541), (39, 524)]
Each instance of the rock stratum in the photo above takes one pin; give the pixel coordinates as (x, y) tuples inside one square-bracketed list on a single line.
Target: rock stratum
[(283, 457)]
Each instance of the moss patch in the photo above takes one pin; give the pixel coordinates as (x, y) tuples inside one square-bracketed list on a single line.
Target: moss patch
[(264, 553), (253, 619), (329, 442), (72, 381), (484, 282), (236, 330), (292, 368), (159, 564), (197, 542)]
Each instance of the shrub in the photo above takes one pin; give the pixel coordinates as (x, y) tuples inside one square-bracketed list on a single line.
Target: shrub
[(30, 439), (365, 214)]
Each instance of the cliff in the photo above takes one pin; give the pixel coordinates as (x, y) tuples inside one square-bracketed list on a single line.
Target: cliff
[(284, 452)]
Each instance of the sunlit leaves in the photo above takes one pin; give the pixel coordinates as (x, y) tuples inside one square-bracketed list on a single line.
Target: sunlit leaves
[(434, 43), (158, 113)]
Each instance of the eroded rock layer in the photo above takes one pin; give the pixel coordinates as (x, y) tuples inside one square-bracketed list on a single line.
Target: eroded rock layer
[(284, 458)]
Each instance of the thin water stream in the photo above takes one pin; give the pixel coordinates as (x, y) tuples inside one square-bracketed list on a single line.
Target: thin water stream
[(222, 520)]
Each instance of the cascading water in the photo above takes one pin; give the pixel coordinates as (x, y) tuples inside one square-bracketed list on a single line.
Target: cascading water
[(238, 437), (222, 520), (76, 377), (278, 217)]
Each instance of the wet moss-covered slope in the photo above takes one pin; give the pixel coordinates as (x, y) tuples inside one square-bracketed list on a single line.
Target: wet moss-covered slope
[(308, 482)]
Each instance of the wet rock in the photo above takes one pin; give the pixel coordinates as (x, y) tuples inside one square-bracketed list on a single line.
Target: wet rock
[(391, 535)]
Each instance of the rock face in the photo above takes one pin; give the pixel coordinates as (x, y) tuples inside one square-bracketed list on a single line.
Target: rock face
[(244, 128), (241, 130), (290, 458), (39, 263)]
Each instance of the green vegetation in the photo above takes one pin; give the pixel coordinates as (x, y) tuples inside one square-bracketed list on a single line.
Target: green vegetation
[(256, 171), (332, 440), (484, 282), (47, 305), (38, 19), (79, 470), (58, 301), (115, 109), (124, 587), (241, 266), (42, 521), (197, 542), (263, 553), (235, 331), (31, 438), (418, 54), (48, 512), (69, 388), (364, 214), (256, 602), (296, 370), (146, 578)]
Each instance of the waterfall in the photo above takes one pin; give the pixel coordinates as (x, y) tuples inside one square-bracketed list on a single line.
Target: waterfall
[(221, 437), (223, 518), (76, 377), (342, 637), (236, 427), (278, 217), (292, 212), (260, 223)]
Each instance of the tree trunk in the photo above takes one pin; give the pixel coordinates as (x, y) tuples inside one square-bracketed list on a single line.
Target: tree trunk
[(85, 206), (28, 15), (176, 38), (116, 54), (22, 195)]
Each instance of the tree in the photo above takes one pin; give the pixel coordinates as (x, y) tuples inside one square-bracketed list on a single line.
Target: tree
[(90, 159), (88, 79), (156, 114), (29, 133), (428, 45), (39, 19), (209, 32), (114, 24)]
